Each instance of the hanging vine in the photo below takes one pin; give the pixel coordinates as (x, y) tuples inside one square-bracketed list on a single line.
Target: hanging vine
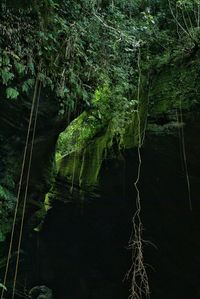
[(138, 272)]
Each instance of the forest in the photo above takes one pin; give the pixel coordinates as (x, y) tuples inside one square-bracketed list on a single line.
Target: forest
[(99, 149)]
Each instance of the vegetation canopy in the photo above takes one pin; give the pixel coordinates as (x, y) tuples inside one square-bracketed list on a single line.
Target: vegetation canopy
[(88, 79)]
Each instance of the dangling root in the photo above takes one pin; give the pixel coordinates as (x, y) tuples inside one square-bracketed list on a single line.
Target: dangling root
[(137, 272)]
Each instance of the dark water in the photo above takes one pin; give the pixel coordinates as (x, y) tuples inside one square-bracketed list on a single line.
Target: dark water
[(82, 249)]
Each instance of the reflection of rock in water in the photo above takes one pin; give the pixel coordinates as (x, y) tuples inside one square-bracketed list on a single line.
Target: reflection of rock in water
[(41, 292)]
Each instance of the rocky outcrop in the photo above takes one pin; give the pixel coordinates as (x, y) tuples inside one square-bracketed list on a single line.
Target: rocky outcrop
[(14, 119), (169, 103)]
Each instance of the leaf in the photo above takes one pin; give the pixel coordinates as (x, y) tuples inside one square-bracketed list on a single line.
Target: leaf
[(11, 93), (2, 286), (27, 85), (6, 76), (31, 67), (20, 67), (41, 77), (6, 59)]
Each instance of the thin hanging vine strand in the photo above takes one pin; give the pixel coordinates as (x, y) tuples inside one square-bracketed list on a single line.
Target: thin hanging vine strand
[(20, 186), (137, 272), (26, 191)]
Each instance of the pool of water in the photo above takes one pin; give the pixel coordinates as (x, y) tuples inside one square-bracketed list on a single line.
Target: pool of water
[(82, 252)]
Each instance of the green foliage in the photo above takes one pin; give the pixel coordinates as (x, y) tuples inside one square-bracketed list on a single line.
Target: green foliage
[(71, 49), (89, 55), (27, 85), (75, 46), (83, 145), (113, 101), (19, 67), (6, 76), (110, 107), (11, 93), (83, 165)]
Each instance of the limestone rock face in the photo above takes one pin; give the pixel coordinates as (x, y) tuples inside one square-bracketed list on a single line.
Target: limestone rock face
[(169, 103), (169, 106)]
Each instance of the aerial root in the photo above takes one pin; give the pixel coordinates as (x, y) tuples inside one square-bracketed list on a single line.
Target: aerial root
[(137, 271)]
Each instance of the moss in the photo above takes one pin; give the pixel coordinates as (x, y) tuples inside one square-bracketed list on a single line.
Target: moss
[(130, 138), (173, 85), (47, 203), (78, 133), (84, 144), (82, 167)]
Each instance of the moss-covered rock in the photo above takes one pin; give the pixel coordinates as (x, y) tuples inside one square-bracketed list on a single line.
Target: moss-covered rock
[(88, 140), (83, 165), (172, 90), (175, 87)]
